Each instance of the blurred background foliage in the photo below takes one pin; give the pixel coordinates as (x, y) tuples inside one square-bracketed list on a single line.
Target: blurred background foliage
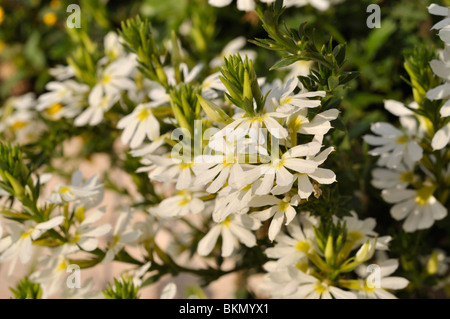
[(34, 37)]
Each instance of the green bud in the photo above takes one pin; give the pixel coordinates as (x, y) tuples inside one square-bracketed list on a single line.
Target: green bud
[(329, 251), (19, 191), (213, 111)]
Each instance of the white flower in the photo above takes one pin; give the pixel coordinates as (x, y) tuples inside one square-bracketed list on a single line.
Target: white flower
[(286, 101), (292, 283), (22, 125), (86, 234), (440, 11), (282, 210), (380, 289), (291, 249), (320, 175), (318, 126), (311, 287), (217, 171), (419, 207), (359, 231), (51, 277), (139, 124), (115, 77), (98, 105), (62, 72), (233, 47), (77, 190), (394, 144), (167, 169), (231, 201), (183, 203), (234, 229), (121, 235), (113, 48), (277, 172), (400, 177), (20, 240), (64, 99)]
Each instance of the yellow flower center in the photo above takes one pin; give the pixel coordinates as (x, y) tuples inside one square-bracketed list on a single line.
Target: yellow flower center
[(320, 288), (424, 194), (185, 165), (18, 125), (226, 222), (76, 238), (143, 114), (403, 139), (278, 163), (284, 205), (407, 177), (62, 266), (106, 78), (54, 109), (115, 240), (303, 246), (367, 288), (26, 234), (64, 189), (286, 100)]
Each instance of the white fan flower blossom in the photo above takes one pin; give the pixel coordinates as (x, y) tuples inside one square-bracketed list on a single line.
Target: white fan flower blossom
[(420, 208), (139, 124), (282, 211), (122, 235), (380, 290), (394, 145), (233, 230), (20, 240)]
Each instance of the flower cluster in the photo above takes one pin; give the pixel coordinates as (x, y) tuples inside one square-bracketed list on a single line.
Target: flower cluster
[(315, 261), (410, 173)]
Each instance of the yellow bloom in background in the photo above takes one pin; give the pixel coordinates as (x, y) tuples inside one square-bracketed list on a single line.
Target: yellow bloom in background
[(2, 15), (55, 4), (50, 18), (2, 45)]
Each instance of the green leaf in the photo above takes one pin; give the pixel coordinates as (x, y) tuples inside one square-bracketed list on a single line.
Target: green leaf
[(333, 82), (285, 62), (378, 37)]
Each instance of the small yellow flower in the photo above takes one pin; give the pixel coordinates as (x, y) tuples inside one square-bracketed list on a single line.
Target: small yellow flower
[(50, 18), (2, 45)]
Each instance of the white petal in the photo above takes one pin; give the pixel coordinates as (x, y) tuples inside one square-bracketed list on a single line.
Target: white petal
[(275, 225), (169, 291), (394, 283), (207, 243), (394, 195), (228, 242)]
